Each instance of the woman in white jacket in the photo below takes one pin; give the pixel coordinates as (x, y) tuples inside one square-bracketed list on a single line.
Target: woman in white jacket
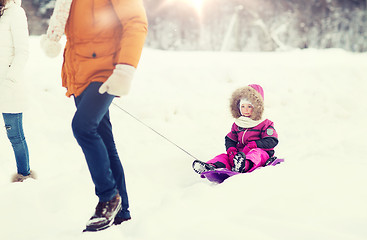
[(13, 56)]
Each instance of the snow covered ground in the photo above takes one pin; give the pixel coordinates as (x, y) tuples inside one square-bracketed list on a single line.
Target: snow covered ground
[(317, 99)]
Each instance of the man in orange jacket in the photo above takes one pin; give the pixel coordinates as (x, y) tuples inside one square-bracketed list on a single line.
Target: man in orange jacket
[(104, 43)]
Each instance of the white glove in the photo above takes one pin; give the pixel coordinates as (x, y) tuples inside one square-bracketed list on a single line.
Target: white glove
[(50, 47), (119, 82)]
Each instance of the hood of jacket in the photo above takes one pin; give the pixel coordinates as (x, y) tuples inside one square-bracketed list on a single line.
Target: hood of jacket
[(254, 94)]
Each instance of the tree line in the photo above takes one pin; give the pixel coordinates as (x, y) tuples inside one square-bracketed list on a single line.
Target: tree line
[(244, 25)]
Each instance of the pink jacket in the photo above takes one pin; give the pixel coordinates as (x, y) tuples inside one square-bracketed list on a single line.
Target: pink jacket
[(245, 135)]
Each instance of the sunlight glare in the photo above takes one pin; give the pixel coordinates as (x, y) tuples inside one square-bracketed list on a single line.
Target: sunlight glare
[(197, 4)]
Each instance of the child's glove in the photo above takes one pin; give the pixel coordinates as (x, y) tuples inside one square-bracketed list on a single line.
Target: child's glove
[(119, 82), (249, 146), (52, 48), (231, 152)]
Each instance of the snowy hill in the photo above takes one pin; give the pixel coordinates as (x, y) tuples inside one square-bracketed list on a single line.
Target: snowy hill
[(315, 98)]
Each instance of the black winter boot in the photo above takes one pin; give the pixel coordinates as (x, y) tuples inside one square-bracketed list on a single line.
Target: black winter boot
[(200, 167), (104, 215), (241, 164)]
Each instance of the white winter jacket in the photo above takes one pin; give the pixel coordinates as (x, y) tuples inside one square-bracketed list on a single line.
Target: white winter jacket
[(13, 57)]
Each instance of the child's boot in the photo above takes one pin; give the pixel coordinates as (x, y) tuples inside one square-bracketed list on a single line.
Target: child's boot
[(200, 167), (241, 164)]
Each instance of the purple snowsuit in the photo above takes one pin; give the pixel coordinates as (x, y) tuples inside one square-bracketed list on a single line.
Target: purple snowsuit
[(243, 136)]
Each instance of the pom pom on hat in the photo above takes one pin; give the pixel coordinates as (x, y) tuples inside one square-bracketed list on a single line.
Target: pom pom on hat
[(51, 48), (50, 42)]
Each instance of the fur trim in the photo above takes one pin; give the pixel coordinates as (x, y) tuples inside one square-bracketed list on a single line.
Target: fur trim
[(253, 96), (20, 178), (51, 48)]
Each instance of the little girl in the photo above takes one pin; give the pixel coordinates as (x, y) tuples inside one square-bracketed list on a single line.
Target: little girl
[(251, 141)]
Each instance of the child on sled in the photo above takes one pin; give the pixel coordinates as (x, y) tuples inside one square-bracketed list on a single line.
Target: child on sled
[(251, 141)]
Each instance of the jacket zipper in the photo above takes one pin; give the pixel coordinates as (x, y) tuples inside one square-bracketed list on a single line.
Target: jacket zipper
[(243, 141)]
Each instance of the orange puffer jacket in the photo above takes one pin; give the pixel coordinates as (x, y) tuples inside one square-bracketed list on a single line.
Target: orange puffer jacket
[(101, 34)]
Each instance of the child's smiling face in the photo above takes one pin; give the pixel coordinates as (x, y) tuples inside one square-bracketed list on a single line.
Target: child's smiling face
[(246, 109)]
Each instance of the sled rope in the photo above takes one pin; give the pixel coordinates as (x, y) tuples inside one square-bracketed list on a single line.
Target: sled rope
[(146, 125)]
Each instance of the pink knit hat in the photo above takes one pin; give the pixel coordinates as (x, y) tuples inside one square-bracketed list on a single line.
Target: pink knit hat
[(259, 89)]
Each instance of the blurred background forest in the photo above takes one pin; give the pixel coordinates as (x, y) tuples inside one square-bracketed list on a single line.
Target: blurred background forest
[(242, 25)]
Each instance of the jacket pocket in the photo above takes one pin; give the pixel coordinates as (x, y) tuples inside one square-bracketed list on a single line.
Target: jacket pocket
[(95, 50), (94, 61)]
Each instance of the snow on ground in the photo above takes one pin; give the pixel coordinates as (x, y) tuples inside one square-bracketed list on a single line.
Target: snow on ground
[(315, 97)]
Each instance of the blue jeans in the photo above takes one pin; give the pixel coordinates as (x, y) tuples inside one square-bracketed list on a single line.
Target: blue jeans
[(14, 130), (93, 131)]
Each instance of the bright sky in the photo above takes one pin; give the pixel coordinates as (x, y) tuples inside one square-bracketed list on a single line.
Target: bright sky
[(197, 4)]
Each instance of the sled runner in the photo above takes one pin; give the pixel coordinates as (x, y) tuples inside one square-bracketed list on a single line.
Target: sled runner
[(218, 175)]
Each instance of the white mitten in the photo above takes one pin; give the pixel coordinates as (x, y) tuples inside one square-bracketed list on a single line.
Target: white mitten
[(50, 47), (119, 82)]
